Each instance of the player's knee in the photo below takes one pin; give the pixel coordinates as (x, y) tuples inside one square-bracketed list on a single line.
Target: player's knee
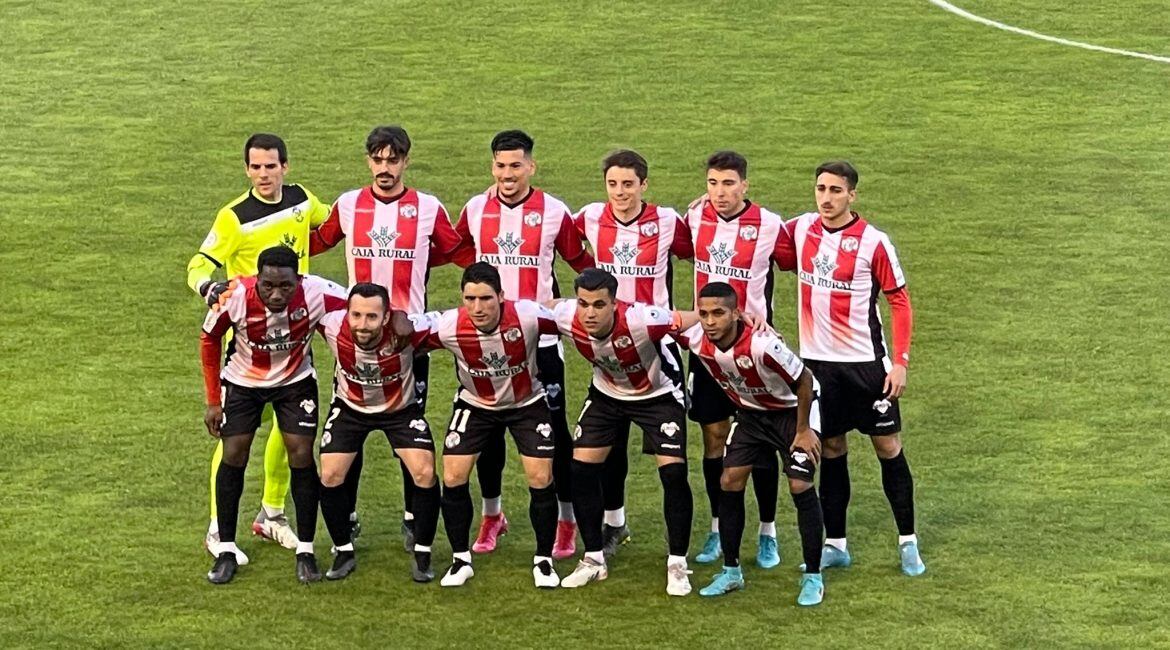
[(834, 447), (423, 476), (798, 486), (887, 446), (235, 452), (332, 477), (732, 482), (300, 456), (540, 477)]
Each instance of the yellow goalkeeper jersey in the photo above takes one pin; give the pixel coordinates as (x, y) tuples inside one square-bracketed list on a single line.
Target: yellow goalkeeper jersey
[(249, 224)]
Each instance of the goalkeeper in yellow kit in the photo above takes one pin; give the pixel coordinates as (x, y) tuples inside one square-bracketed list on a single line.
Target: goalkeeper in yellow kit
[(269, 214)]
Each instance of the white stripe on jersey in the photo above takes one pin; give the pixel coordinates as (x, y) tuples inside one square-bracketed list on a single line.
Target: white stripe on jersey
[(637, 254), (369, 381), (755, 371), (737, 251)]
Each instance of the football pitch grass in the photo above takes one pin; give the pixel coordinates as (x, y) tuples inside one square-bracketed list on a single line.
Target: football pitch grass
[(1023, 182)]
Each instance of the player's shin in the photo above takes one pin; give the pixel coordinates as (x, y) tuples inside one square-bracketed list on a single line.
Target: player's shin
[(229, 485), (712, 471), (613, 485), (542, 510), (731, 516), (677, 506), (351, 483), (587, 501), (563, 466), (335, 510), (766, 483), (306, 497), (457, 510), (835, 493), (425, 506), (811, 525), (489, 471), (899, 488)]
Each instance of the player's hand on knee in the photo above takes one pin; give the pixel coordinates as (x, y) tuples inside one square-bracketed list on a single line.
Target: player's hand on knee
[(808, 441), (895, 383), (213, 419)]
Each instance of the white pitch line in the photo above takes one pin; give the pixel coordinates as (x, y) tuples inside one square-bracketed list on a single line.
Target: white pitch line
[(1044, 37)]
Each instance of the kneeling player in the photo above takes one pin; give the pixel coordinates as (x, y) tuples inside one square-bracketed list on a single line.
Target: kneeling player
[(775, 396), (494, 342), (373, 389), (273, 315), (635, 378)]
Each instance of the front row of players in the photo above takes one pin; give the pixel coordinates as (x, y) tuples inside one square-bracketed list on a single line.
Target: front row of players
[(636, 379)]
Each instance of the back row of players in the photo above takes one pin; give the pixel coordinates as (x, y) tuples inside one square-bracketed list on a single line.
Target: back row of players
[(511, 369)]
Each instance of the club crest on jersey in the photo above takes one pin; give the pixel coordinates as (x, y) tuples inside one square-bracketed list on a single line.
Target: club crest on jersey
[(299, 314), (649, 229), (533, 219), (625, 252), (720, 254), (368, 372), (744, 362), (881, 406), (850, 244), (622, 342), (309, 406), (824, 265), (452, 440), (494, 360), (749, 233), (382, 236), (407, 211), (544, 429), (298, 214), (418, 425), (512, 335), (669, 429), (509, 242)]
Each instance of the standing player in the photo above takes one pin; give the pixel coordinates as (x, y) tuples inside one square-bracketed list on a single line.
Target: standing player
[(373, 388), (736, 241), (635, 241), (273, 315), (519, 230), (393, 235), (776, 411), (271, 213), (843, 264), (635, 379), (495, 346)]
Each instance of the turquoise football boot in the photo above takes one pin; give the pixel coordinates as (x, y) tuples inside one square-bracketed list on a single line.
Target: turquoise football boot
[(812, 590), (911, 561), (729, 580), (711, 550), (768, 556)]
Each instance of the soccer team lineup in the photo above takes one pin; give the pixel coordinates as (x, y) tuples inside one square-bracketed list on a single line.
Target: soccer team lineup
[(768, 406)]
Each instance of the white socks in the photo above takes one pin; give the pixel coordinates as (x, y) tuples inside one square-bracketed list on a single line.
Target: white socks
[(492, 507), (768, 528), (408, 516), (902, 539), (345, 548), (672, 560), (616, 518), (838, 543), (271, 512), (596, 556), (305, 547), (566, 511), (465, 556), (714, 524), (419, 548)]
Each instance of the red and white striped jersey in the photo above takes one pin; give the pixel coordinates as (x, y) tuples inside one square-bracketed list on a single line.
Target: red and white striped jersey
[(638, 253), (370, 381), (840, 274), (739, 251), (631, 362), (497, 369), (392, 243), (272, 349), (755, 371)]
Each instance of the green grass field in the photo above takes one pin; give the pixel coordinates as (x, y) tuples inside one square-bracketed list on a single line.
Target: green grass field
[(1024, 183)]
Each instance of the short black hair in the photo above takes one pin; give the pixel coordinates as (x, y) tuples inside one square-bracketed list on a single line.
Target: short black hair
[(278, 256), (512, 140), (626, 159), (594, 279), (370, 290), (482, 273), (392, 136), (720, 290), (266, 141), (840, 168), (728, 161)]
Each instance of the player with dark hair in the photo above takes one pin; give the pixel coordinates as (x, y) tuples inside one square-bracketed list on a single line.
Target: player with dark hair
[(373, 389), (273, 315), (844, 263), (637, 242), (393, 236), (520, 230), (270, 213), (776, 411)]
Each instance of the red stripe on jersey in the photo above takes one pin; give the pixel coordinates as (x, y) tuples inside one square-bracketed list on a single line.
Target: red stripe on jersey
[(298, 329), (489, 226), (704, 236), (468, 337), (347, 358), (533, 236), (745, 251), (584, 345), (752, 379), (363, 223), (812, 244), (648, 242), (841, 302), (257, 322), (628, 355), (517, 352), (407, 237), (392, 365)]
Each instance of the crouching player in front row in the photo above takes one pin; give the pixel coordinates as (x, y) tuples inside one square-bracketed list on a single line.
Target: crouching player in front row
[(373, 389), (273, 315), (776, 410)]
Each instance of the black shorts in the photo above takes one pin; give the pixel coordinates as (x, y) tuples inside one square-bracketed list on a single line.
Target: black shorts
[(422, 375), (852, 398), (346, 429), (709, 404), (471, 428), (757, 435), (605, 422), (295, 406), (550, 369)]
